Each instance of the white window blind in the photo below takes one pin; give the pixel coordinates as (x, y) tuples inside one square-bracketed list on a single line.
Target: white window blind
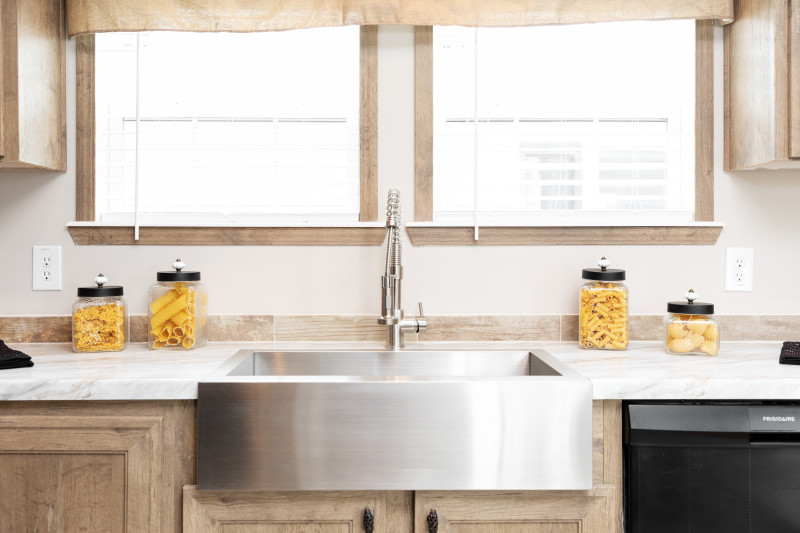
[(575, 124), (234, 128)]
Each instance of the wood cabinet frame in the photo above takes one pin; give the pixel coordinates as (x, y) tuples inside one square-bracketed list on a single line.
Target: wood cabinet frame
[(498, 235), (762, 85), (151, 443), (33, 98), (311, 236)]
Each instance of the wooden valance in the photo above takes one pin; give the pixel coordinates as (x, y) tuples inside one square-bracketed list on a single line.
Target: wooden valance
[(96, 16)]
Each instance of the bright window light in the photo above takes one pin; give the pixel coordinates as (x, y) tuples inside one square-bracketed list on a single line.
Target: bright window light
[(580, 124), (234, 128)]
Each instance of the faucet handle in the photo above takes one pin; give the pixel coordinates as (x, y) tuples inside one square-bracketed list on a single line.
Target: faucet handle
[(422, 322)]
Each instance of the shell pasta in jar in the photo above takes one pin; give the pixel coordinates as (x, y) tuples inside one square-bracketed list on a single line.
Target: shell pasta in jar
[(603, 316)]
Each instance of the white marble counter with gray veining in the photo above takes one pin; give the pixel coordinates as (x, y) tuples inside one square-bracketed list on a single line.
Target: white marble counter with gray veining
[(742, 370)]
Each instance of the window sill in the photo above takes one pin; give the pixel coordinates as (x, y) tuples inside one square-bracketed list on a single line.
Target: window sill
[(356, 234), (432, 234)]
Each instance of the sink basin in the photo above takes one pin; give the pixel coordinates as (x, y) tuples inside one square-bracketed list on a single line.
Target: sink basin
[(408, 420)]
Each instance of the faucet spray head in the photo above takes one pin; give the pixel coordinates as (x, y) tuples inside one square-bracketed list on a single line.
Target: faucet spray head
[(393, 208), (394, 247)]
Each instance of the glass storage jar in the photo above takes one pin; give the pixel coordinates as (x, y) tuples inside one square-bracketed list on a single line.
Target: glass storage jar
[(100, 320), (177, 310), (690, 327), (603, 318)]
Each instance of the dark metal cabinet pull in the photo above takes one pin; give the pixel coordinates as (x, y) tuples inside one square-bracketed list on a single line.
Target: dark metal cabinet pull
[(369, 521), (433, 521)]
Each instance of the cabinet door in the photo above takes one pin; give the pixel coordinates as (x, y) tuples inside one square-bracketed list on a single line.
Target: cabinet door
[(33, 74), (295, 512), (762, 96), (516, 512), (794, 79), (90, 466)]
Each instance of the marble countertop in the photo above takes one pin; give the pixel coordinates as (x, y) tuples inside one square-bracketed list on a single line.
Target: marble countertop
[(742, 370)]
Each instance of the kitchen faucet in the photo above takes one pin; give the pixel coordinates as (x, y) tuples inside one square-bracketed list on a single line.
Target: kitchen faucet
[(391, 312)]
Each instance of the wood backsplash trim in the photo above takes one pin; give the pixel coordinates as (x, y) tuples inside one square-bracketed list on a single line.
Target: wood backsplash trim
[(364, 328)]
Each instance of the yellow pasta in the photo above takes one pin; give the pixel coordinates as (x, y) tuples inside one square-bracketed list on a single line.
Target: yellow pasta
[(697, 325), (169, 310), (709, 347), (162, 302), (181, 318), (603, 316), (173, 319), (711, 333), (99, 328), (692, 334), (680, 345)]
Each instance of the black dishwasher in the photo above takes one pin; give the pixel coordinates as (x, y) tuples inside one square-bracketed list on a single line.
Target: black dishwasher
[(712, 467)]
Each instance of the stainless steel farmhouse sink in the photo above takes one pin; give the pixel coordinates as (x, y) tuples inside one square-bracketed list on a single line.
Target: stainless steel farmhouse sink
[(394, 420)]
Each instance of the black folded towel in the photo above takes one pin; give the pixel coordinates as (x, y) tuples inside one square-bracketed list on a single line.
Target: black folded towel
[(13, 358), (790, 353)]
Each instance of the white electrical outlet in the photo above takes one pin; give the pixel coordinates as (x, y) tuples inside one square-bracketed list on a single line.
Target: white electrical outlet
[(46, 268), (739, 269)]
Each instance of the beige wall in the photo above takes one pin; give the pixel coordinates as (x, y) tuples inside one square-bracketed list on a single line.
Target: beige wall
[(759, 209)]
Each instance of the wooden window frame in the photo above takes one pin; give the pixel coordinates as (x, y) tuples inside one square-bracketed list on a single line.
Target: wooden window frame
[(703, 231), (86, 231)]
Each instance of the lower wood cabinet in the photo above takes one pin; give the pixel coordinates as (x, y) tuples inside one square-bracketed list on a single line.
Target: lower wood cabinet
[(95, 466), (295, 512), (516, 512), (598, 510)]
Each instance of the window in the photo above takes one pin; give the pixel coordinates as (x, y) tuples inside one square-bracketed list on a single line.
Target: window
[(565, 127), (262, 134)]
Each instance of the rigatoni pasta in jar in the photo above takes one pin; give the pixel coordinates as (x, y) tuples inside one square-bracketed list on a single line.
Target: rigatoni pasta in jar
[(603, 317), (177, 310)]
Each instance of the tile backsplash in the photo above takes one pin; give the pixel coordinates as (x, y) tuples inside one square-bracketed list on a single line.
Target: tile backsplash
[(364, 328)]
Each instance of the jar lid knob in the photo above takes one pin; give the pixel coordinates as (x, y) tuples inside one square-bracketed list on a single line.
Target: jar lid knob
[(690, 296), (101, 280), (603, 263), (178, 265)]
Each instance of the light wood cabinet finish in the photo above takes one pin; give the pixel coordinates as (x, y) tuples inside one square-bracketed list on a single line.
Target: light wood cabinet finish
[(598, 510), (33, 85), (95, 466), (294, 512), (762, 85)]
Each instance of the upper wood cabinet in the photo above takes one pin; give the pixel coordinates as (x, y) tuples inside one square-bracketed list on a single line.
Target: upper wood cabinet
[(762, 85), (32, 85)]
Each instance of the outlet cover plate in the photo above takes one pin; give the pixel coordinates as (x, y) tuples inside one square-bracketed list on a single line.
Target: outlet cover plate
[(739, 270), (46, 270)]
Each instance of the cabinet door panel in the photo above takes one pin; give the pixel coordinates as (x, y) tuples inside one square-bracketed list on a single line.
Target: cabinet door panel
[(62, 492), (589, 511), (287, 527), (94, 466), (519, 527), (294, 512)]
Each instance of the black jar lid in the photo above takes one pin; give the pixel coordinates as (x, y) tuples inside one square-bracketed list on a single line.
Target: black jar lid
[(690, 307), (603, 273), (101, 290), (179, 274)]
